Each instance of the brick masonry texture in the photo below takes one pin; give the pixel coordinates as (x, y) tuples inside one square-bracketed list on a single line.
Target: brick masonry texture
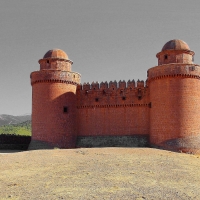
[(163, 111)]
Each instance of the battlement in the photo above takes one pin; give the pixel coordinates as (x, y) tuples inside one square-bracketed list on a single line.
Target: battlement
[(112, 93), (112, 85)]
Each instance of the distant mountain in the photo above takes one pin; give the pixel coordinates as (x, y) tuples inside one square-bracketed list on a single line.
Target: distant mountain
[(10, 119)]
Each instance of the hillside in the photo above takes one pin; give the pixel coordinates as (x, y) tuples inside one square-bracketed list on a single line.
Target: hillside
[(10, 119), (23, 129), (100, 173)]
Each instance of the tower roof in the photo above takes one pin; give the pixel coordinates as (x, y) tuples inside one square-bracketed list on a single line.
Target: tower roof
[(176, 45), (56, 53)]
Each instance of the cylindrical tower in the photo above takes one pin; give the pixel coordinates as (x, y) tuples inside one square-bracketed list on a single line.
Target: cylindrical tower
[(175, 99), (54, 101)]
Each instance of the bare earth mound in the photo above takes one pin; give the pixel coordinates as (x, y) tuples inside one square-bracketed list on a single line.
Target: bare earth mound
[(99, 173)]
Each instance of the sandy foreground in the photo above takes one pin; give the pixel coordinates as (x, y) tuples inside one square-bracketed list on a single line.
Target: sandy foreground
[(99, 173)]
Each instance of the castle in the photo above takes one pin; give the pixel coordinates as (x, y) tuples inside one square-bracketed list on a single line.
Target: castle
[(163, 111)]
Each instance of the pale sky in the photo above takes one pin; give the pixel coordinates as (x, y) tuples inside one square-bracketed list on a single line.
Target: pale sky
[(106, 39)]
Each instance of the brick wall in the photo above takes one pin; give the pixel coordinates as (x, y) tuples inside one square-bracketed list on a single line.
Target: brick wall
[(117, 109)]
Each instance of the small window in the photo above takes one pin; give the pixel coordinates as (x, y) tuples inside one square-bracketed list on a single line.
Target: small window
[(123, 98), (150, 105), (47, 61), (65, 109), (166, 57), (96, 99)]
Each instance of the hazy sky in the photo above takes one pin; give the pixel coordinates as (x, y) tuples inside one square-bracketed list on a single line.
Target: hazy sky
[(106, 39)]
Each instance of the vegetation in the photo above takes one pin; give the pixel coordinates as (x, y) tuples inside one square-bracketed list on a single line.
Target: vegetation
[(22, 129)]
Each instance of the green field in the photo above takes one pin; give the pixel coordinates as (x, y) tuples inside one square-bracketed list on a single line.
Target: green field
[(23, 129)]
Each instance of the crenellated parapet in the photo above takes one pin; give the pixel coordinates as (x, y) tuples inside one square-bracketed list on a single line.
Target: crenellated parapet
[(86, 86), (104, 85), (113, 85), (131, 84), (55, 76), (113, 92), (95, 86), (122, 84)]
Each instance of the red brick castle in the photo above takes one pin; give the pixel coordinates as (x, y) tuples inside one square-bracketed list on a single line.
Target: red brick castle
[(162, 112)]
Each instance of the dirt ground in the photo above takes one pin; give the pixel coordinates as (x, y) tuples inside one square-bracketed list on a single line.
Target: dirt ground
[(99, 173)]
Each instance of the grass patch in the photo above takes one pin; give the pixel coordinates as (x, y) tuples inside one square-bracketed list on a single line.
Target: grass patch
[(22, 129)]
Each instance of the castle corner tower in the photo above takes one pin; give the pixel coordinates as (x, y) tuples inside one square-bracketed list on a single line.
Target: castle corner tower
[(54, 100), (175, 99)]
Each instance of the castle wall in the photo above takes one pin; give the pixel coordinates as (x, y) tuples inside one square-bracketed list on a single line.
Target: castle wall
[(163, 112), (114, 109), (175, 100)]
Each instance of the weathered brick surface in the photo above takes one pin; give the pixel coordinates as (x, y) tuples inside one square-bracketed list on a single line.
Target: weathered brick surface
[(113, 121)]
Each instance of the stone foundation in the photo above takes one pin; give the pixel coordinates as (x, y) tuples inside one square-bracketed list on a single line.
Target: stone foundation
[(113, 141)]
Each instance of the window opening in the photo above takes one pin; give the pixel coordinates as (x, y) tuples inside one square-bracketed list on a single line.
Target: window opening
[(150, 105), (166, 57), (65, 109)]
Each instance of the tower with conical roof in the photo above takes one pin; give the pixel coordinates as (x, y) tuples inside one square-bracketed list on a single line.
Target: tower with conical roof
[(54, 100), (174, 89)]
